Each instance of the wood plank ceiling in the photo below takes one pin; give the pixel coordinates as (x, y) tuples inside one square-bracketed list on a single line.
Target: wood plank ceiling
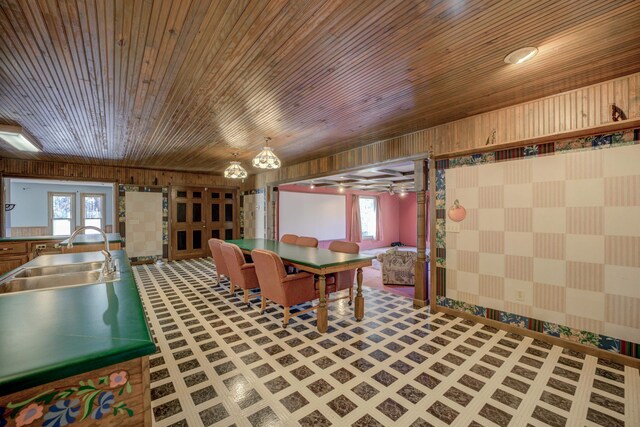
[(183, 84)]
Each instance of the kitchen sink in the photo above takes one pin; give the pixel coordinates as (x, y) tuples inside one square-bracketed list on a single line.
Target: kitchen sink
[(59, 276), (59, 269)]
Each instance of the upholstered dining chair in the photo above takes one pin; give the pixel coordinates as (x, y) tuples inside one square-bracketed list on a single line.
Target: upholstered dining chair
[(343, 279), (277, 286), (241, 273), (310, 242), (289, 238), (218, 260)]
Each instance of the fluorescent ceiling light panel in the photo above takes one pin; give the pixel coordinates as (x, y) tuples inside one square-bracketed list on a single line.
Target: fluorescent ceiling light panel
[(17, 138)]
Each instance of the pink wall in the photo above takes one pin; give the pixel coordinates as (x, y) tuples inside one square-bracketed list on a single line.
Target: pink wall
[(408, 217), (390, 206)]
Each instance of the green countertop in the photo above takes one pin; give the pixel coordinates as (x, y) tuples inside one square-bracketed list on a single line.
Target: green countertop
[(93, 239), (311, 257), (51, 334), (30, 238)]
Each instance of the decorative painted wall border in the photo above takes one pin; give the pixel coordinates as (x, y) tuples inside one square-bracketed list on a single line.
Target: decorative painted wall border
[(595, 142), (122, 189)]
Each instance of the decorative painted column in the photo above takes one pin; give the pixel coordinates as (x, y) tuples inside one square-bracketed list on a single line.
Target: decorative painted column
[(421, 298)]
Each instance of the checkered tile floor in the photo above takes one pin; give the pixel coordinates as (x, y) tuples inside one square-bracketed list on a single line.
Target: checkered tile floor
[(221, 362)]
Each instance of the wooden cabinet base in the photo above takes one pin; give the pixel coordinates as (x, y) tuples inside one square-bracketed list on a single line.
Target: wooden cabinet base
[(116, 395)]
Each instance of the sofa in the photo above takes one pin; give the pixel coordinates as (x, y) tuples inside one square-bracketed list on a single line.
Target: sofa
[(398, 267)]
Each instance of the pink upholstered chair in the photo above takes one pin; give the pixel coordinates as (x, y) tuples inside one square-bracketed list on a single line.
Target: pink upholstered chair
[(278, 286), (218, 260), (289, 238), (310, 242), (242, 273), (343, 279)]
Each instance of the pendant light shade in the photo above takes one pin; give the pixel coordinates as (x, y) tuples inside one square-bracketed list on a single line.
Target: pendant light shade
[(266, 159), (235, 170)]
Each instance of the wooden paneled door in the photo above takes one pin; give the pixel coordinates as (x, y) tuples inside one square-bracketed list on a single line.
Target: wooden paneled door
[(199, 213), (222, 212)]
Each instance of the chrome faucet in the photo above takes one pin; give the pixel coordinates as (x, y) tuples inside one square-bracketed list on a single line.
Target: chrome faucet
[(109, 266)]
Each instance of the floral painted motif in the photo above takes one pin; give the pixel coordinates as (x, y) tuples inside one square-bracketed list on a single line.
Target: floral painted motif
[(64, 412), (473, 159), (514, 319), (530, 150), (596, 142), (551, 329), (609, 344), (118, 378), (72, 404), (582, 337), (105, 401), (29, 414), (440, 233)]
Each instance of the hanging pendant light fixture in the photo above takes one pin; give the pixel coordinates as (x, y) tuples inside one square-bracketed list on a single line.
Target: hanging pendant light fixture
[(266, 159), (235, 170)]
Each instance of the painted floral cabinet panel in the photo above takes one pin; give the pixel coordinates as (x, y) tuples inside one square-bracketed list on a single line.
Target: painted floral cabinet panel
[(108, 396)]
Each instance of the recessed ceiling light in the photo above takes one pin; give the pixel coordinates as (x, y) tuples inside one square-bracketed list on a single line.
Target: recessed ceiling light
[(521, 55), (18, 139)]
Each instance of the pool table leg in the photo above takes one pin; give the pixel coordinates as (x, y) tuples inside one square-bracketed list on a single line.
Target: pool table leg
[(323, 314), (359, 309)]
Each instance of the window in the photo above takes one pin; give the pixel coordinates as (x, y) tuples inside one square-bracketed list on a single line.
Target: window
[(61, 213), (93, 211), (368, 217)]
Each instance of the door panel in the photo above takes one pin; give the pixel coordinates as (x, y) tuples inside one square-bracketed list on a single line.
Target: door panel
[(199, 214)]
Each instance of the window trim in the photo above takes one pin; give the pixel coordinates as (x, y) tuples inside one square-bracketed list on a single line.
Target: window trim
[(83, 196), (51, 195), (375, 203)]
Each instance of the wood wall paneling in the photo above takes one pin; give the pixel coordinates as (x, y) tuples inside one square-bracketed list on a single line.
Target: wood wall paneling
[(11, 167), (553, 117)]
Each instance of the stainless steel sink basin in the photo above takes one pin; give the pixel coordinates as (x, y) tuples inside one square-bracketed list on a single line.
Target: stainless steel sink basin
[(59, 269), (57, 276)]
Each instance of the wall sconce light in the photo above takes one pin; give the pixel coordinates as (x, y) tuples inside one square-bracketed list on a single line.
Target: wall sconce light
[(457, 212)]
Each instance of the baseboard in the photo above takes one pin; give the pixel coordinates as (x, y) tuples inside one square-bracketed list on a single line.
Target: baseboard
[(603, 354)]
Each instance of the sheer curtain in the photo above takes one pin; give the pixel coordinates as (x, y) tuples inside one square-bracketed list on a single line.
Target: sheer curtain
[(379, 235), (356, 225)]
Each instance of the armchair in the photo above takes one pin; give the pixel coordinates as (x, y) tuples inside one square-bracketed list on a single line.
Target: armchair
[(289, 238), (398, 267), (282, 288), (310, 242), (344, 279), (218, 260), (242, 274)]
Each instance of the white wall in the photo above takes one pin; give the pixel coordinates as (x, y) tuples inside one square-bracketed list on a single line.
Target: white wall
[(31, 201)]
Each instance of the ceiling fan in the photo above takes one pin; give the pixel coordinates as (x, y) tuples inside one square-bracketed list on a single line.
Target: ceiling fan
[(402, 190)]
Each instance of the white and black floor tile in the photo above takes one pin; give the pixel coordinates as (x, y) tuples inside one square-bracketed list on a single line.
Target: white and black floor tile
[(220, 362)]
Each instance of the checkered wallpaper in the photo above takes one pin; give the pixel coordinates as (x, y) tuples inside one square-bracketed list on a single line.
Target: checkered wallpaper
[(551, 239), (144, 223), (137, 219)]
